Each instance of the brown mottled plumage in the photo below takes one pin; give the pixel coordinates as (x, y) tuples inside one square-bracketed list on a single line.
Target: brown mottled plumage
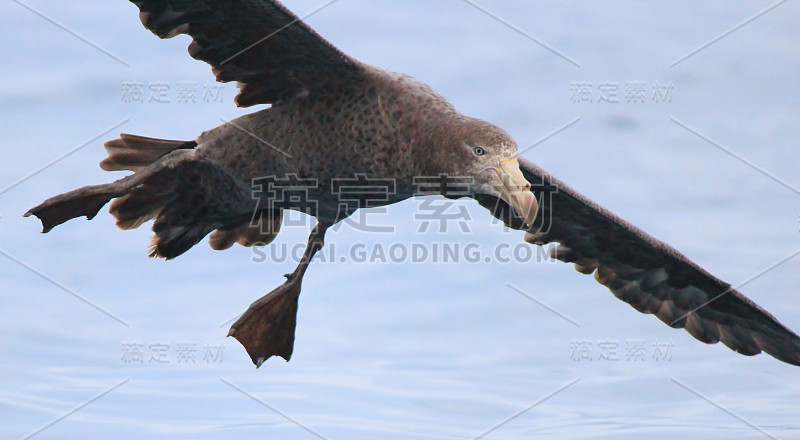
[(333, 118)]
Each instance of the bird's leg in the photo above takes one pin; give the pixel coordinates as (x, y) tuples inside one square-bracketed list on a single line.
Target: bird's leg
[(267, 327)]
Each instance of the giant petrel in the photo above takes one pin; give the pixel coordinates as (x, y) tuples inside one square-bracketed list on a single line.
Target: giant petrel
[(332, 119)]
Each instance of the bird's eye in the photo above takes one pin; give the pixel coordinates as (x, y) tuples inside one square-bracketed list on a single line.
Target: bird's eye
[(479, 151)]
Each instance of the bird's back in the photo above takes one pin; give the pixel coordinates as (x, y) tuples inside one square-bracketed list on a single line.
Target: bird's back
[(373, 126)]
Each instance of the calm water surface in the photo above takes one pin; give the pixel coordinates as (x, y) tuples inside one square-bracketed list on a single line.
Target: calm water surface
[(399, 350)]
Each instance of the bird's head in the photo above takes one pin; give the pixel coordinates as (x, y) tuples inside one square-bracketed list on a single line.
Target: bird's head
[(488, 155)]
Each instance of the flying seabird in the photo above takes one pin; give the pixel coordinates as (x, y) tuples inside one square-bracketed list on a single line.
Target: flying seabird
[(335, 119)]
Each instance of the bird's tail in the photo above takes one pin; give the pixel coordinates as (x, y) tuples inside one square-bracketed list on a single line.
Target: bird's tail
[(132, 152), (188, 197)]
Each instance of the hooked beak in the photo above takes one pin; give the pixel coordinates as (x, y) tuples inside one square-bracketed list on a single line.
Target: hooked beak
[(515, 190)]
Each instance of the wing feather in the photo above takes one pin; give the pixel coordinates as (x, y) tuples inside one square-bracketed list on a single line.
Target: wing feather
[(646, 273), (260, 44)]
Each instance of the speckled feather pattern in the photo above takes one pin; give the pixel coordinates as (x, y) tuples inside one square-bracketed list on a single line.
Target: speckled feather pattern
[(380, 124)]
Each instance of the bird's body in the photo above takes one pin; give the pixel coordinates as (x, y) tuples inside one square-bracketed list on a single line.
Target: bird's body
[(381, 131), (337, 131)]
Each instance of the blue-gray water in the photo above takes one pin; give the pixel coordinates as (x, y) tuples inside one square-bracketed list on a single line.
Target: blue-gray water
[(398, 350)]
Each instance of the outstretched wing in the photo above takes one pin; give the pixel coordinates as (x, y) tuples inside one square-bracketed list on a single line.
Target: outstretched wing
[(646, 273), (259, 43)]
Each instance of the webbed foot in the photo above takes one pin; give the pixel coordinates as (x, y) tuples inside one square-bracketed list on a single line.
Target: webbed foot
[(267, 327)]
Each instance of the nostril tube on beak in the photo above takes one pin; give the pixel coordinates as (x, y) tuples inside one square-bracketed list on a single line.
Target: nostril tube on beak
[(515, 190)]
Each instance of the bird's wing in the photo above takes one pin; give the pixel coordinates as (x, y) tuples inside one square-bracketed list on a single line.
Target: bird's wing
[(259, 43), (646, 273)]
